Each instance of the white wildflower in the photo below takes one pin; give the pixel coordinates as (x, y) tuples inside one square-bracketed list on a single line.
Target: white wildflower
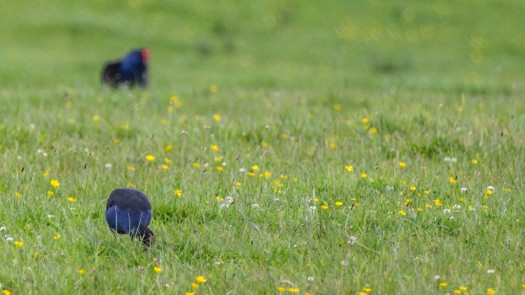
[(450, 159)]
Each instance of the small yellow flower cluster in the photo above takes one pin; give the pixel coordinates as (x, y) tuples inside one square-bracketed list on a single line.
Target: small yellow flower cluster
[(199, 280), (461, 290), (366, 126), (254, 169), (365, 291), (290, 290)]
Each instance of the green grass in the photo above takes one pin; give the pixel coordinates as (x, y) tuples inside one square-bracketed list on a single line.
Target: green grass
[(441, 88)]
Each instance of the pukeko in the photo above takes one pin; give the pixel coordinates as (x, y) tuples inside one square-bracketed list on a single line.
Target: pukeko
[(128, 211), (131, 70)]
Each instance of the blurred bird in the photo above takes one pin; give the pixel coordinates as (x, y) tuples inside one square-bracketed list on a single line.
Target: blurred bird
[(131, 70), (128, 211)]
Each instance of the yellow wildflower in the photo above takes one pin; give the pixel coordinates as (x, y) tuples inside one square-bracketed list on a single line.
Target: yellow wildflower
[(54, 183), (150, 158), (201, 279)]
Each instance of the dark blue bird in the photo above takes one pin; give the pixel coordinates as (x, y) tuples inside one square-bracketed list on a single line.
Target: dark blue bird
[(128, 211), (131, 70)]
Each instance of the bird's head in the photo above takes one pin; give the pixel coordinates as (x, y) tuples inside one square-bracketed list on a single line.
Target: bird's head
[(146, 236), (145, 55)]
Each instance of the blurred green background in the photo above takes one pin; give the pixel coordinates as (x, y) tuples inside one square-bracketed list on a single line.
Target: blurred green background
[(467, 46)]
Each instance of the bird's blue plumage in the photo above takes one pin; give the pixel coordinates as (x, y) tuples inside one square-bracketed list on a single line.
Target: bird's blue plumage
[(128, 211), (133, 68), (126, 221)]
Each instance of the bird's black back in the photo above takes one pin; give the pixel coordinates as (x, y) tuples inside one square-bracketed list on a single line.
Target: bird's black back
[(128, 198)]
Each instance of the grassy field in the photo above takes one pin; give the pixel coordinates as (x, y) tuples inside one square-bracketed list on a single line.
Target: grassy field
[(309, 147)]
